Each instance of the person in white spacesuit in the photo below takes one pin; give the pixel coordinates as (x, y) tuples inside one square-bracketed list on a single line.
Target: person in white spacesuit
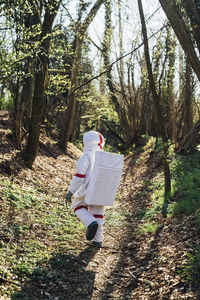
[(91, 216)]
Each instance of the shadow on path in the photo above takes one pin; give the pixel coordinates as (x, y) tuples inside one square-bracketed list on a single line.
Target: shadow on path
[(140, 267), (126, 275), (64, 277)]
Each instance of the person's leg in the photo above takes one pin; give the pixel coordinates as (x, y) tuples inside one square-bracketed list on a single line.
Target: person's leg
[(90, 222), (84, 215), (98, 214)]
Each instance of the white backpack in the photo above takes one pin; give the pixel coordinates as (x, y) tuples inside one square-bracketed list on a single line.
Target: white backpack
[(104, 179)]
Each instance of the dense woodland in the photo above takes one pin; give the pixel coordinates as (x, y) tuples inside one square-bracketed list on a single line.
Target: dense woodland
[(128, 69), (48, 78), (47, 74)]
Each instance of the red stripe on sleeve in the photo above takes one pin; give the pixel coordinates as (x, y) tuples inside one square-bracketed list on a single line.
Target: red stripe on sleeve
[(80, 175)]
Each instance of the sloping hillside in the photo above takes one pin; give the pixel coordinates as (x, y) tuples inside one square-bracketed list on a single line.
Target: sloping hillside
[(43, 251)]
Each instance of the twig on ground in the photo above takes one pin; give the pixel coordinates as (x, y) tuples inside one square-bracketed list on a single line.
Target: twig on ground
[(114, 236), (10, 281), (121, 275)]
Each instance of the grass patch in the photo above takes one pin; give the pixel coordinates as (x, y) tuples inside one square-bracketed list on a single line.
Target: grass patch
[(185, 171), (148, 227), (186, 184), (115, 216), (185, 177), (149, 217), (190, 269), (183, 199), (31, 230)]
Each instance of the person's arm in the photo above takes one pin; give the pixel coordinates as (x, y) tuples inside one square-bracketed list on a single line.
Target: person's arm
[(79, 178)]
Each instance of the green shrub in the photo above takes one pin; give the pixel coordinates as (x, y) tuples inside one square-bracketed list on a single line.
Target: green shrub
[(148, 227), (6, 102), (186, 184), (191, 269)]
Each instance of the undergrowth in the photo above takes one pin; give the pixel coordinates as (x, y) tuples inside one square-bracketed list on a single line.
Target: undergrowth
[(184, 199), (36, 231), (186, 191), (33, 227), (190, 269), (186, 183)]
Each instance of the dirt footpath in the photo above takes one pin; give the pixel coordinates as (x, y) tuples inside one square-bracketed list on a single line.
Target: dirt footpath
[(129, 265), (135, 266)]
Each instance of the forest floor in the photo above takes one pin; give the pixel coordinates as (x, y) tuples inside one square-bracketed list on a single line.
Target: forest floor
[(62, 265)]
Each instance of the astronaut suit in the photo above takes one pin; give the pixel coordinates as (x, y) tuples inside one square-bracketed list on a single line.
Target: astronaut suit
[(92, 216)]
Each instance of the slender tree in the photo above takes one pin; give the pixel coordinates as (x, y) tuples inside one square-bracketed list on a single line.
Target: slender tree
[(184, 17), (158, 108), (125, 105), (183, 34), (168, 95), (31, 35), (188, 98), (30, 152), (80, 34)]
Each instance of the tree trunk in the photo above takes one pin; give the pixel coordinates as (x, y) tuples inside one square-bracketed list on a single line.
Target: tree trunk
[(31, 149), (170, 103), (25, 100), (17, 123), (121, 63), (157, 107), (69, 117), (192, 8), (188, 119), (71, 106), (129, 132), (171, 10), (75, 132)]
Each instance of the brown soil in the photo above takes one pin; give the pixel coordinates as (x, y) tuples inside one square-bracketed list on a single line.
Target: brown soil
[(129, 265)]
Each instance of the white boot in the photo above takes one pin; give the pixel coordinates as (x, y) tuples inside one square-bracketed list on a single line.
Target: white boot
[(99, 234), (85, 216)]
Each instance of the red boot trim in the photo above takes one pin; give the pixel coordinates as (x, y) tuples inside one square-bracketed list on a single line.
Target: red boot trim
[(79, 207), (99, 216)]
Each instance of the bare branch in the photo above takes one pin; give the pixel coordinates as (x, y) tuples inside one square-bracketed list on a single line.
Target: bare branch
[(67, 10), (108, 69)]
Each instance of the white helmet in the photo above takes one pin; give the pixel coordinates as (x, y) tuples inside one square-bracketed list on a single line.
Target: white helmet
[(93, 138)]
